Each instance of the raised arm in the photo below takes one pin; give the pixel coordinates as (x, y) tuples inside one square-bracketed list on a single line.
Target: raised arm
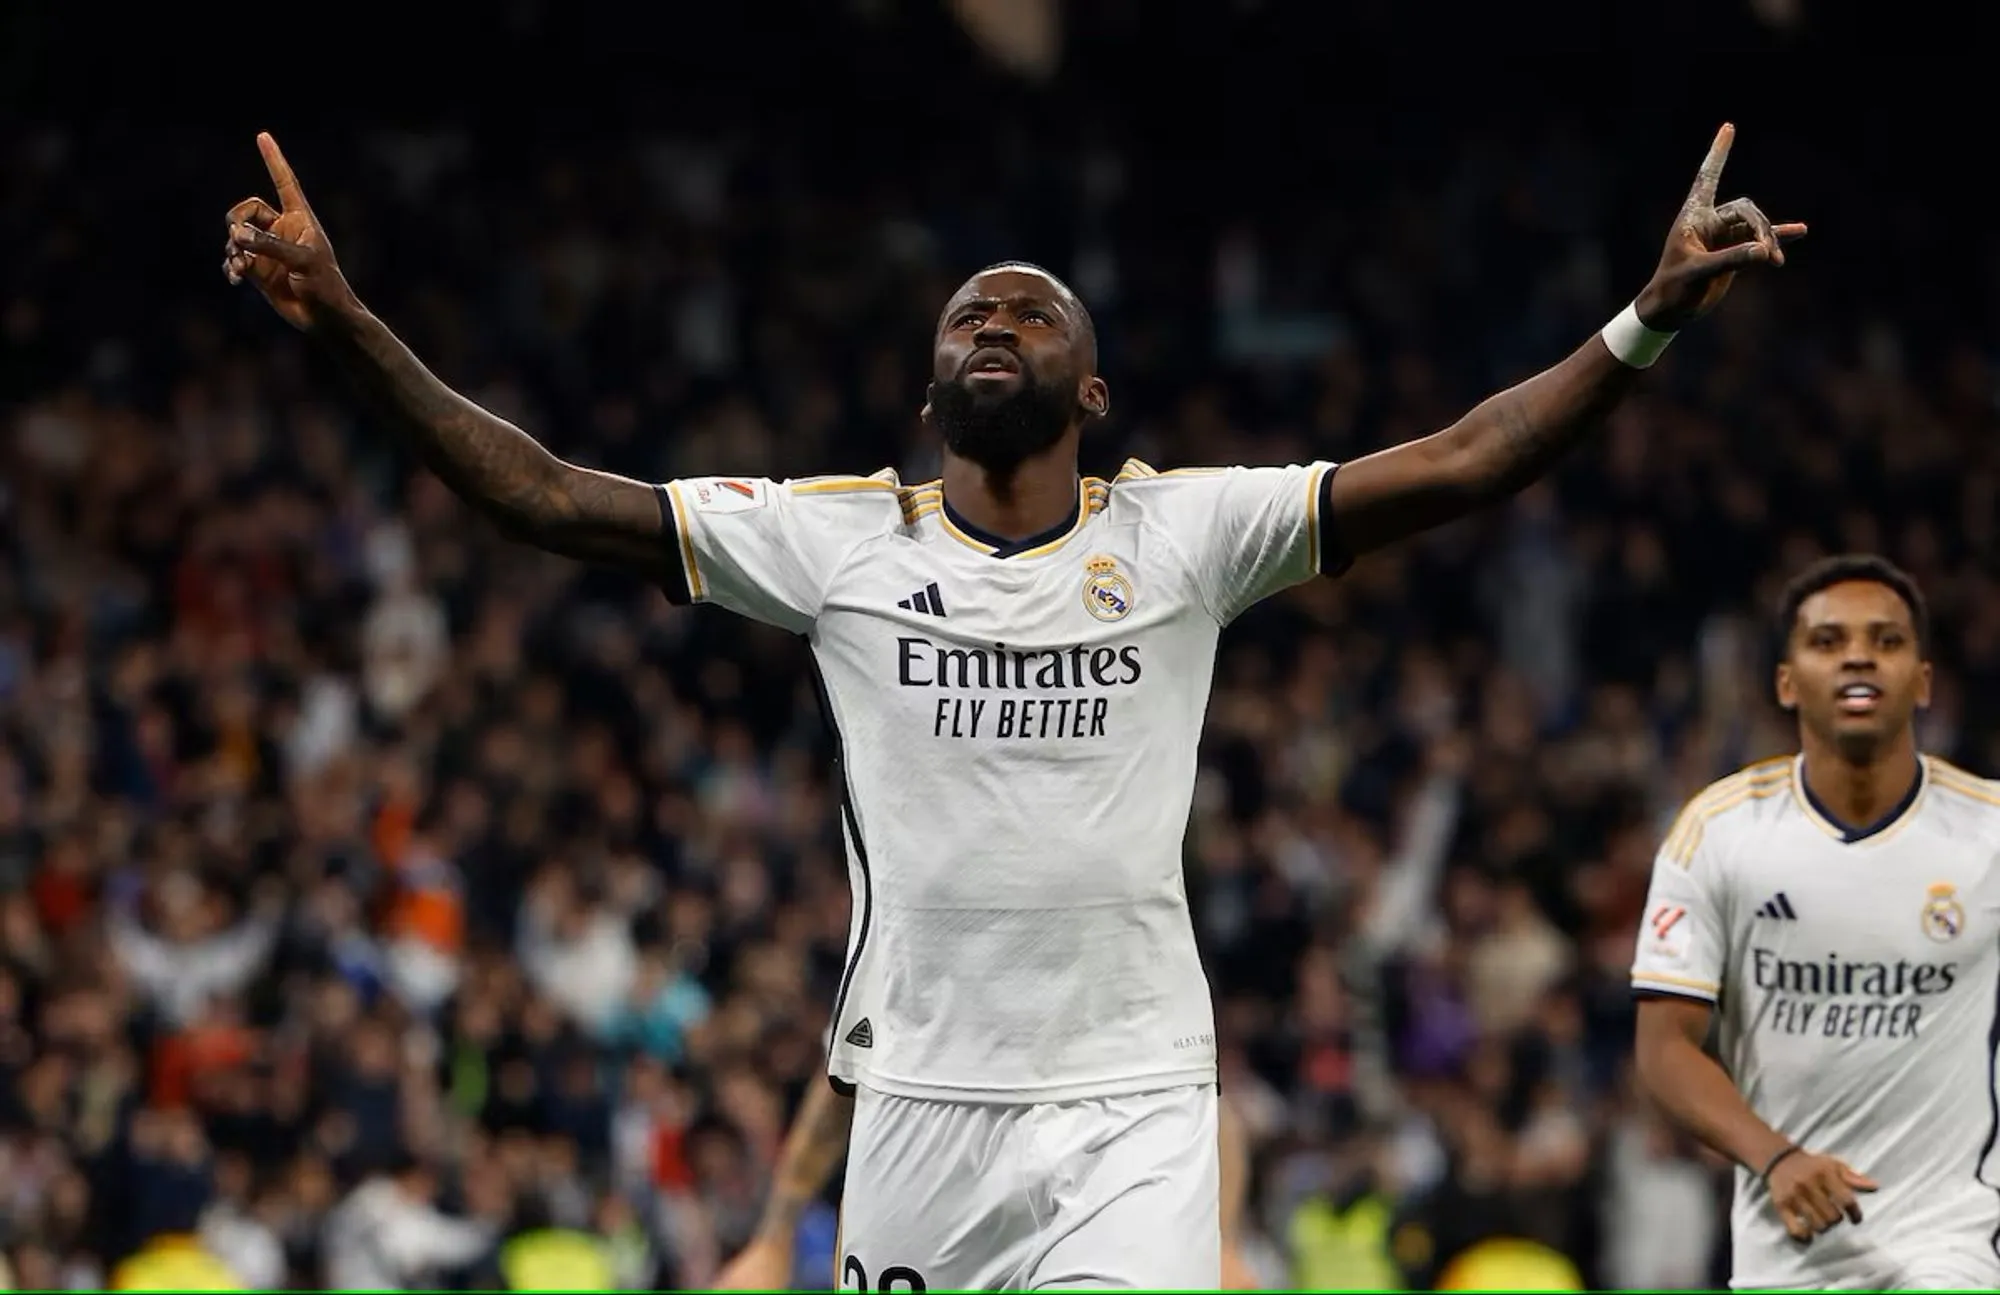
[(1510, 439), (529, 493)]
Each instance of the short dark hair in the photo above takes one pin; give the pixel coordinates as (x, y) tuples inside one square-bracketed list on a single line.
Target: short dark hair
[(1842, 569), (1087, 324)]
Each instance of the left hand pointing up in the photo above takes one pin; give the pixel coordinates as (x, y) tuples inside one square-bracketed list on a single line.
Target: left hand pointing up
[(1708, 246)]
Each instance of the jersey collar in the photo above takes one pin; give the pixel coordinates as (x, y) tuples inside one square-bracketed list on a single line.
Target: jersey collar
[(1000, 546), (1847, 833)]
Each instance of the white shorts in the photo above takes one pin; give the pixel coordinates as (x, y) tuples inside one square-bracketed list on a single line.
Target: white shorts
[(1106, 1193)]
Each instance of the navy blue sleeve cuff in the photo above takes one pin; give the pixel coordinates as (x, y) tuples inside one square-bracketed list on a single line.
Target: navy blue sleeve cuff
[(1650, 991), (675, 586), (1333, 556)]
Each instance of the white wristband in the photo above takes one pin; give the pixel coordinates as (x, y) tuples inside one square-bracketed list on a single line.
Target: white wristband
[(1631, 342)]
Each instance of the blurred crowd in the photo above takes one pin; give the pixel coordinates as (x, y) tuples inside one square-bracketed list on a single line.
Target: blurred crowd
[(385, 905)]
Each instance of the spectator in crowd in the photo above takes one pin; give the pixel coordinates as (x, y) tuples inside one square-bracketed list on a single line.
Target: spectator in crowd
[(388, 1234)]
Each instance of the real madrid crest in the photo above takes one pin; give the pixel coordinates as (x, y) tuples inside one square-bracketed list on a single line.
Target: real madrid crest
[(1107, 594), (1944, 916)]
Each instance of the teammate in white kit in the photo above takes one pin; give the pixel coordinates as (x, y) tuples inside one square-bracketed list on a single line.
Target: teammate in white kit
[(1016, 662), (1839, 910)]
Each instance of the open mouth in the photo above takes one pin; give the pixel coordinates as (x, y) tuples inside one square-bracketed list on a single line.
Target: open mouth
[(1858, 698), (993, 362)]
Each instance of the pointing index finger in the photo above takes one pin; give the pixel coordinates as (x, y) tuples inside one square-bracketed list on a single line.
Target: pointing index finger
[(290, 196), (1705, 180)]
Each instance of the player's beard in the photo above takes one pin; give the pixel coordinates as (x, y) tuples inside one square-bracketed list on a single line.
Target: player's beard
[(998, 430), (1861, 743), (1865, 744)]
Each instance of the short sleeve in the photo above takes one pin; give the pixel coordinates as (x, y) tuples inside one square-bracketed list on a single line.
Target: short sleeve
[(750, 544), (1683, 944), (1252, 532)]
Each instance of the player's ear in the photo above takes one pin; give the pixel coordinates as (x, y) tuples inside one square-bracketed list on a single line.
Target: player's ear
[(925, 414), (1923, 685), (1095, 397), (1788, 693)]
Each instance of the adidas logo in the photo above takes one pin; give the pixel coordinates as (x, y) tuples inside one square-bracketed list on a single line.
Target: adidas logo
[(926, 600), (863, 1034), (1779, 908)]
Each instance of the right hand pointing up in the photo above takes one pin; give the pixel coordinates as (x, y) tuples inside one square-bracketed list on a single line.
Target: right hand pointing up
[(285, 252)]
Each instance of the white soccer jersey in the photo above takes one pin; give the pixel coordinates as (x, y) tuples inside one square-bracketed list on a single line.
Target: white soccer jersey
[(1855, 977), (1017, 727)]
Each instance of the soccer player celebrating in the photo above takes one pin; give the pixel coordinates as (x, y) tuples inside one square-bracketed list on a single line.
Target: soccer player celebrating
[(1016, 663), (1840, 910)]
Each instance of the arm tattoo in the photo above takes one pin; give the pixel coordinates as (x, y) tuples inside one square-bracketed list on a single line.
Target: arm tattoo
[(813, 1150), (1517, 435), (494, 466), (1502, 443)]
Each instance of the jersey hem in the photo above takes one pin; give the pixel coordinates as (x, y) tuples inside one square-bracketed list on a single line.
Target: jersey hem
[(1075, 1092)]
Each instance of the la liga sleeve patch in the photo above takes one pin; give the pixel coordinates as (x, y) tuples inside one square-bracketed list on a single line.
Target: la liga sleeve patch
[(728, 494)]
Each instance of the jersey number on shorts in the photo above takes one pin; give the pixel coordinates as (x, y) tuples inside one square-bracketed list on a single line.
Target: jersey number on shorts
[(910, 1278)]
